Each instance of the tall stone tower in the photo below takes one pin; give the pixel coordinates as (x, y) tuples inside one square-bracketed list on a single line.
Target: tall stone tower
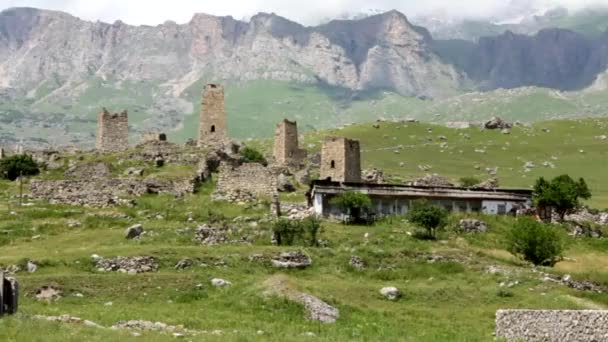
[(212, 127), (286, 150), (341, 160), (112, 131)]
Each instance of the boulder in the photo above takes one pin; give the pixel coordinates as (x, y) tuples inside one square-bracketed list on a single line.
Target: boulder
[(49, 293), (184, 263), (31, 267), (292, 260), (134, 231), (284, 184), (357, 263), (216, 282), (133, 171), (390, 293), (472, 226), (497, 123)]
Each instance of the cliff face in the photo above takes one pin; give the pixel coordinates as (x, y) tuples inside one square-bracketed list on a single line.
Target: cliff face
[(383, 51)]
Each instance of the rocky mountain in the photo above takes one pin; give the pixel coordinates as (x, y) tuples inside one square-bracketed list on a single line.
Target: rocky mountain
[(383, 51), (553, 58), (57, 71)]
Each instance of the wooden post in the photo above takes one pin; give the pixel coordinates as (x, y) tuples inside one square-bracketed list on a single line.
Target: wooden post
[(20, 188)]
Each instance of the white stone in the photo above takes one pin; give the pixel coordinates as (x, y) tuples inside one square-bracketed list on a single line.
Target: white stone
[(390, 293), (220, 282)]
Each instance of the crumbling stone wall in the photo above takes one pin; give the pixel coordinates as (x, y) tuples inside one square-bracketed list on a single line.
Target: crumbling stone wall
[(341, 160), (286, 149), (552, 325), (212, 126), (112, 131), (245, 183), (152, 136), (101, 192)]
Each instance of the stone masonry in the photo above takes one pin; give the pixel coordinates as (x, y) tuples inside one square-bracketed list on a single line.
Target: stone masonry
[(245, 183), (286, 150), (212, 126), (341, 160), (552, 325), (112, 131), (152, 136)]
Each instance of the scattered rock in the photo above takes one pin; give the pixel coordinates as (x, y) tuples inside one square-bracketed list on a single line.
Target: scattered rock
[(390, 293), (184, 263), (473, 226), (497, 123), (132, 265), (284, 184), (433, 180), (317, 309), (210, 236), (68, 319), (134, 231), (216, 282), (49, 293), (31, 266), (133, 171), (357, 263), (292, 260)]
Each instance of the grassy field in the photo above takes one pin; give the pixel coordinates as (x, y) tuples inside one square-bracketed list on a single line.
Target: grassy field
[(450, 300), (574, 147)]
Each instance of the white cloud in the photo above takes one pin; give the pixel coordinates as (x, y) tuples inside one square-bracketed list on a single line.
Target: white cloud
[(310, 12)]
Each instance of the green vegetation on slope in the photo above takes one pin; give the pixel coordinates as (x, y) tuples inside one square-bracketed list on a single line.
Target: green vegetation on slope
[(453, 299)]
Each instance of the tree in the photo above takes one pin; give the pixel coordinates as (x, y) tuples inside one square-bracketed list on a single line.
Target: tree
[(252, 155), (468, 182), (428, 216), (354, 203), (12, 167), (562, 194), (536, 242)]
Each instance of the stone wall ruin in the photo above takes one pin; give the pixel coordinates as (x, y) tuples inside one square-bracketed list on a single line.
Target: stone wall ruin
[(245, 183), (341, 160), (152, 136), (286, 148), (552, 325), (112, 131), (212, 126)]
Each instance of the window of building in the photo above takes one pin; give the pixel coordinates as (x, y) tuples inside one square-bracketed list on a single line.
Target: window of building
[(213, 129), (502, 209), (333, 164)]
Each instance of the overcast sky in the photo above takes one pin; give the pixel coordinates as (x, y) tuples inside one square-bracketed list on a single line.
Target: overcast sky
[(309, 12)]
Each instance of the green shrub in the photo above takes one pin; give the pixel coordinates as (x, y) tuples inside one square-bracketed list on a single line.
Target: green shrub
[(536, 242), (14, 166), (290, 232), (356, 204), (252, 155), (428, 216), (561, 193), (469, 182)]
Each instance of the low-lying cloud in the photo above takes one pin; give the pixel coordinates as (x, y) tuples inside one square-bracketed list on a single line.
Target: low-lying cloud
[(310, 12)]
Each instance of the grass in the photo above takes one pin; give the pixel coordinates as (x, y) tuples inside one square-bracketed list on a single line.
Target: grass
[(432, 309)]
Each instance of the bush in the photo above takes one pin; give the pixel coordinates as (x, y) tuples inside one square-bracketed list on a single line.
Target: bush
[(252, 155), (562, 194), (12, 167), (356, 204), (536, 242), (469, 182), (429, 217), (290, 232)]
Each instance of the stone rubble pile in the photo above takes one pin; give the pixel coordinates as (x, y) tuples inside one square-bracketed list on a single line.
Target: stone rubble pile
[(130, 265), (374, 176), (291, 260), (566, 280), (357, 263), (497, 123), (49, 293), (433, 180), (207, 235), (141, 325), (472, 226), (68, 319)]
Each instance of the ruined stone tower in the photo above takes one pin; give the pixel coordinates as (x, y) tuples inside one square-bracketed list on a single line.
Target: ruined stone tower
[(286, 150), (341, 160), (112, 131), (212, 127)]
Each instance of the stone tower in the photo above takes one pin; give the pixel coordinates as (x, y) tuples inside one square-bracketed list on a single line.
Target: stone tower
[(341, 160), (112, 131), (212, 127), (286, 150)]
